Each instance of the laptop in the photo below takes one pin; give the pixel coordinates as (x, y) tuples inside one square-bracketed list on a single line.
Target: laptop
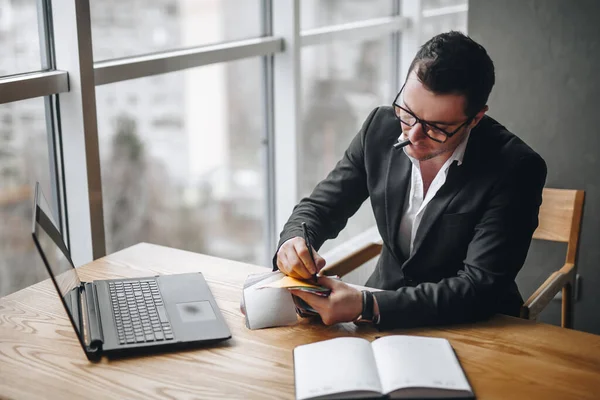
[(123, 316)]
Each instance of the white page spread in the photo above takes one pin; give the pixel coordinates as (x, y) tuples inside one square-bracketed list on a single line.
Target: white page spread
[(418, 362), (335, 366)]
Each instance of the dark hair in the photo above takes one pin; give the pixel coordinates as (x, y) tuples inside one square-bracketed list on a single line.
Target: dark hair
[(452, 62)]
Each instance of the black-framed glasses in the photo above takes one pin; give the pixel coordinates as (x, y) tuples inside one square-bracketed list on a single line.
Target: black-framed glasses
[(433, 132)]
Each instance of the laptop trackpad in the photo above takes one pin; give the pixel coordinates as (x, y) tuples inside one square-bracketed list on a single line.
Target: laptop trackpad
[(196, 311), (191, 308)]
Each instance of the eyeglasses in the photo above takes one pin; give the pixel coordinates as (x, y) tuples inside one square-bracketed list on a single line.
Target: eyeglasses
[(407, 118)]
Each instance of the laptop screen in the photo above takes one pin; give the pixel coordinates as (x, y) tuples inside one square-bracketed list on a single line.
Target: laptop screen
[(57, 258)]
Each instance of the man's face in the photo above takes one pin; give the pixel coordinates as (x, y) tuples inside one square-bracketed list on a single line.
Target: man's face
[(446, 111)]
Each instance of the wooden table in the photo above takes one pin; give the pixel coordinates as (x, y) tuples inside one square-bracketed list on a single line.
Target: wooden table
[(40, 357)]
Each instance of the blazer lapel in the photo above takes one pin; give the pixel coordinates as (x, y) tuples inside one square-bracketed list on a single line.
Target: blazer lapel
[(397, 180), (454, 183)]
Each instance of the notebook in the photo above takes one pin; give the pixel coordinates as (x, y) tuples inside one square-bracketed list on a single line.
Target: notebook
[(266, 301), (265, 308), (287, 282), (395, 367)]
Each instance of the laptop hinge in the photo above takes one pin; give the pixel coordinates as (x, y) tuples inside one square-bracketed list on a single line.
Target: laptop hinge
[(94, 324)]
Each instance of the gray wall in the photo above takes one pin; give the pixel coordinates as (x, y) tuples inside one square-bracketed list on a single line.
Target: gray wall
[(547, 58)]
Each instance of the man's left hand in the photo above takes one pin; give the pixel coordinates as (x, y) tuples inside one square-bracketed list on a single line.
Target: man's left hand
[(343, 304)]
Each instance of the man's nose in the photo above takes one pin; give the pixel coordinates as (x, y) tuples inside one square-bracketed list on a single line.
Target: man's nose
[(416, 133)]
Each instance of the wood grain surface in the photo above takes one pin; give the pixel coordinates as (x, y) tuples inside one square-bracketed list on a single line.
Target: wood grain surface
[(559, 215), (40, 356)]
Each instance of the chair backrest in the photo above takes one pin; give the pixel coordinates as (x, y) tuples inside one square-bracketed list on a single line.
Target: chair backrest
[(560, 218)]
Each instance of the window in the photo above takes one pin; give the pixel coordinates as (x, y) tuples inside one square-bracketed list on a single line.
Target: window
[(320, 13), (441, 4), (342, 83), (442, 16), (23, 161), (186, 142), (182, 161), (126, 28), (19, 37)]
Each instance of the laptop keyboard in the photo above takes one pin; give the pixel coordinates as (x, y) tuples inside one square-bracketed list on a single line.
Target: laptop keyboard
[(139, 311)]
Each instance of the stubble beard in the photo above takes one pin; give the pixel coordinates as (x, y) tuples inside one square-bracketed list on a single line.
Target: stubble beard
[(442, 150), (433, 154)]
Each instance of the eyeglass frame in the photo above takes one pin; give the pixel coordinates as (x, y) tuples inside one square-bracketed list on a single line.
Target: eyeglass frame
[(424, 123)]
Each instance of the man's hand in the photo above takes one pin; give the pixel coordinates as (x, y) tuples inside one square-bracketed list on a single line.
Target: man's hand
[(343, 304), (293, 259)]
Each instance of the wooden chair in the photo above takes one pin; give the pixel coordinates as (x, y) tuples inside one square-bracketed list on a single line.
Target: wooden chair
[(559, 221)]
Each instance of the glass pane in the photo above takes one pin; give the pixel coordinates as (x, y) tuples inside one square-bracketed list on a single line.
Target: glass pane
[(436, 4), (23, 161), (319, 13), (182, 161), (19, 37), (341, 85), (435, 24), (122, 28)]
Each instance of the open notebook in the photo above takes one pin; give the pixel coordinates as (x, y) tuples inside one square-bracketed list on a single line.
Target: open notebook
[(393, 366)]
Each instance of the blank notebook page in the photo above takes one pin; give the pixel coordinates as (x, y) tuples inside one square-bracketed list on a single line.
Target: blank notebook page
[(418, 362), (333, 366)]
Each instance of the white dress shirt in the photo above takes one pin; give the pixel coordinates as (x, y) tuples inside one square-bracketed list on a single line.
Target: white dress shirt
[(415, 204)]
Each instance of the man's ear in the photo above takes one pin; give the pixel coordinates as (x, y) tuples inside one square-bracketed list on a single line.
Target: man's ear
[(478, 117)]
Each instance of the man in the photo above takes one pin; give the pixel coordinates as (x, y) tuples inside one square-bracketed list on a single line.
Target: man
[(456, 208)]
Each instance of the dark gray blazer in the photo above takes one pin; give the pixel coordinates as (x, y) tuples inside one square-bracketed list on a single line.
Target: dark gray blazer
[(473, 237)]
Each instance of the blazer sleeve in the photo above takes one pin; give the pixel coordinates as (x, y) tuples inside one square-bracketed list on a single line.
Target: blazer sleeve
[(494, 256), (334, 200)]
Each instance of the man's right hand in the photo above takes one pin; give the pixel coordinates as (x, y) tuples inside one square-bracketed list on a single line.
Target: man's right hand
[(293, 259)]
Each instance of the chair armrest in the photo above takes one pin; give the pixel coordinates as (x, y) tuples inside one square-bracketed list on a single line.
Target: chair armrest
[(353, 260), (352, 254), (546, 292)]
